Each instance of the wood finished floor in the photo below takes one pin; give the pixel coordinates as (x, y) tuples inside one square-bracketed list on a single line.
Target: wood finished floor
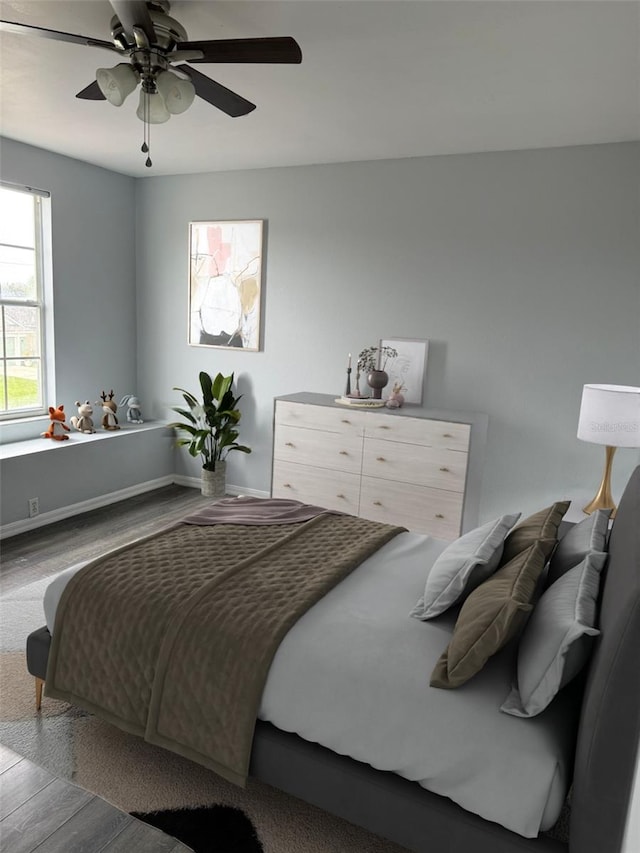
[(47, 550), (40, 813)]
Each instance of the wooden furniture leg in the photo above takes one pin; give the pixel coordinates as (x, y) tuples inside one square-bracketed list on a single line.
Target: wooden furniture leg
[(39, 686)]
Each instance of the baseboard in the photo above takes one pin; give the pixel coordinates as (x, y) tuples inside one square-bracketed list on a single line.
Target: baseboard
[(194, 483), (26, 524)]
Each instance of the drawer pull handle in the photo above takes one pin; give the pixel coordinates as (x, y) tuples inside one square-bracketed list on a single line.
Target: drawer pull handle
[(377, 503), (444, 468), (345, 421), (342, 497), (344, 453), (439, 515), (380, 459), (384, 426), (287, 486), (289, 444), (447, 435)]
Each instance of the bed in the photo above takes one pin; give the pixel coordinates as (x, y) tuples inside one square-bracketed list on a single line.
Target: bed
[(602, 704)]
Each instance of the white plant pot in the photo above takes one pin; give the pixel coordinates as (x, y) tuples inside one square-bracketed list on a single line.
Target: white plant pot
[(213, 483)]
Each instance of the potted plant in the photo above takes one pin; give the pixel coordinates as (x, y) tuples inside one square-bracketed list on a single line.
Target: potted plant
[(210, 430), (372, 361)]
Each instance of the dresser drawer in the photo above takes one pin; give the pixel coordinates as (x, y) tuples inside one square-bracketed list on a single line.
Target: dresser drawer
[(413, 463), (319, 417), (439, 434), (331, 489), (332, 450), (418, 508)]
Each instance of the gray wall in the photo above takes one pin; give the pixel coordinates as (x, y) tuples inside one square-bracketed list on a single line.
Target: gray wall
[(93, 244), (93, 234), (521, 268)]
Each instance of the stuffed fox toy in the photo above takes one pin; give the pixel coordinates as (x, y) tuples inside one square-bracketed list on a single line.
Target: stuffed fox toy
[(57, 426)]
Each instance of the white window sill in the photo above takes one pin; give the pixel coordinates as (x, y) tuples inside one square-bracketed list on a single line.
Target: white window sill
[(29, 446)]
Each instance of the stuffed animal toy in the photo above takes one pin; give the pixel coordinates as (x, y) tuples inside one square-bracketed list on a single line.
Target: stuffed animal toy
[(57, 426), (83, 423), (109, 407), (134, 415), (396, 397)]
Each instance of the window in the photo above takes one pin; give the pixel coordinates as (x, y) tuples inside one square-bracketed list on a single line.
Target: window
[(25, 284)]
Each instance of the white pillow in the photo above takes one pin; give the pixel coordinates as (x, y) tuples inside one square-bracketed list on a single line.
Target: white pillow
[(557, 641), (463, 566)]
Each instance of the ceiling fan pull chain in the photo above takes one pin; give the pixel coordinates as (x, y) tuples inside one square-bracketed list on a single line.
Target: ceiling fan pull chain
[(148, 162), (146, 145)]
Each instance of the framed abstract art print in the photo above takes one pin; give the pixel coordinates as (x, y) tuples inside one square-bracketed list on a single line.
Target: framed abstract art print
[(225, 284)]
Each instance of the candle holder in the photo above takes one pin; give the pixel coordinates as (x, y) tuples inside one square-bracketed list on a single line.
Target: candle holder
[(348, 391), (357, 392)]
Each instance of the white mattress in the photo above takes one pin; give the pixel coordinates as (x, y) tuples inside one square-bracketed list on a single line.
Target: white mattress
[(353, 675)]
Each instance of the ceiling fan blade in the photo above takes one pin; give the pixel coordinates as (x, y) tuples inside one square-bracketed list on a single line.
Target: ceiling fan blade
[(218, 95), (279, 49), (91, 93), (134, 13), (28, 29)]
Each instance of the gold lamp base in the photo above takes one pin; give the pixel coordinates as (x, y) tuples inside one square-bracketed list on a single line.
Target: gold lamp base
[(603, 498)]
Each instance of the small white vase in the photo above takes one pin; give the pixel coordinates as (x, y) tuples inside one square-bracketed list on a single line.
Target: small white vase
[(213, 483)]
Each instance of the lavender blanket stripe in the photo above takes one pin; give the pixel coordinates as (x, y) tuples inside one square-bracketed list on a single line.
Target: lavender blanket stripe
[(248, 510)]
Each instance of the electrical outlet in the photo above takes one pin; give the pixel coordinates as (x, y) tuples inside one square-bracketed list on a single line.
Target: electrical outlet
[(34, 507)]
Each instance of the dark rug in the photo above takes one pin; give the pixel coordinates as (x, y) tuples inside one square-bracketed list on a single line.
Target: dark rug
[(209, 829)]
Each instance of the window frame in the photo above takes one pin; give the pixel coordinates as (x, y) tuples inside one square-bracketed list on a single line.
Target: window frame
[(43, 302)]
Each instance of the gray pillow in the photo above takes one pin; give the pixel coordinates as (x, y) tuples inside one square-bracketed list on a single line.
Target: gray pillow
[(463, 566), (557, 641), (587, 535)]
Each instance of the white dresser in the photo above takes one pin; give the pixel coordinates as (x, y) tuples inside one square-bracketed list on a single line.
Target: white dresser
[(415, 467)]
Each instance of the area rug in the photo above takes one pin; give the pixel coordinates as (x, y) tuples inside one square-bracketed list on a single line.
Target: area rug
[(139, 777), (218, 829)]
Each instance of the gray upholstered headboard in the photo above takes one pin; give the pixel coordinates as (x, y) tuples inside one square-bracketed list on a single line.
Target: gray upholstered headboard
[(610, 717)]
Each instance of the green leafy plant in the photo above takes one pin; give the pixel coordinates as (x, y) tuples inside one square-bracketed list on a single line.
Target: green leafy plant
[(210, 430), (370, 357)]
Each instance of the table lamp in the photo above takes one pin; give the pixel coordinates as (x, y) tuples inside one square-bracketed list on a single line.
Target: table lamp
[(609, 415)]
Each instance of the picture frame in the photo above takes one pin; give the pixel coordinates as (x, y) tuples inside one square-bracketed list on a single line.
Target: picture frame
[(409, 367), (225, 284)]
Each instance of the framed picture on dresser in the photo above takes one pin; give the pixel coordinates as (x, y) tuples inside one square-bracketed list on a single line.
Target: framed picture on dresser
[(408, 368)]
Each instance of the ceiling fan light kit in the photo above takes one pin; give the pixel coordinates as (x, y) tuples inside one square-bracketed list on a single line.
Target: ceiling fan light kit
[(178, 94), (152, 41), (152, 108), (116, 83)]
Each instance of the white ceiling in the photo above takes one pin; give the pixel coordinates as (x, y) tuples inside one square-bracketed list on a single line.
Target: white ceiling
[(381, 79)]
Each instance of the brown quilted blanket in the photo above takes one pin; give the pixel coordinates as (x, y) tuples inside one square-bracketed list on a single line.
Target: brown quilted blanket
[(171, 638)]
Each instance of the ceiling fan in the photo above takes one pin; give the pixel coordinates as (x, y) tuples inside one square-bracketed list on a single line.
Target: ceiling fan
[(156, 50)]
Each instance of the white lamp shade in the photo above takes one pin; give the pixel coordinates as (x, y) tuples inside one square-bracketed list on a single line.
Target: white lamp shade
[(178, 94), (152, 108), (610, 414), (116, 83)]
